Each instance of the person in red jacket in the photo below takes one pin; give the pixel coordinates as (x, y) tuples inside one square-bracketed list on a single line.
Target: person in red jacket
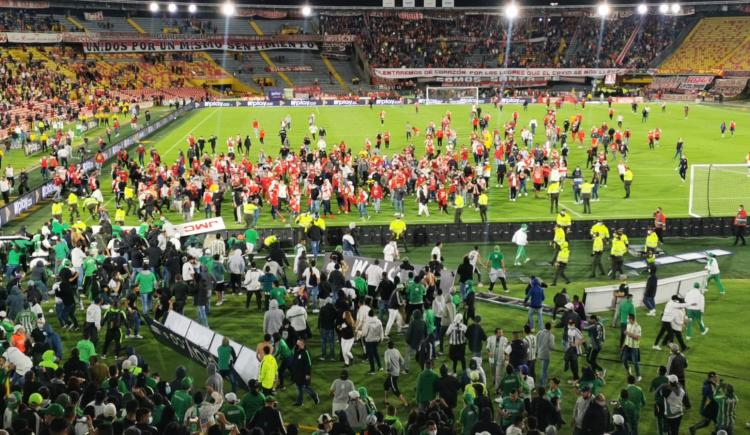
[(740, 224), (660, 224)]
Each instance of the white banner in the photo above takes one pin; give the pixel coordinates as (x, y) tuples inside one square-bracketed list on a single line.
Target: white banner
[(153, 46), (200, 227), (408, 3), (32, 38), (599, 299), (409, 73), (448, 3), (389, 3), (429, 3), (93, 16)]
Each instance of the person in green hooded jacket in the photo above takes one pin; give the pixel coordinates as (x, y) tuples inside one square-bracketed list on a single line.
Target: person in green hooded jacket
[(49, 361), (469, 415), (426, 391)]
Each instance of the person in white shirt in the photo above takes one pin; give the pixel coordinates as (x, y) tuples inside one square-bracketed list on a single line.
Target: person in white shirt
[(436, 251), (374, 273), (678, 322), (390, 251), (348, 244), (93, 320), (520, 239), (496, 346), (188, 271), (696, 303), (667, 318), (311, 275), (712, 266), (251, 283), (297, 316)]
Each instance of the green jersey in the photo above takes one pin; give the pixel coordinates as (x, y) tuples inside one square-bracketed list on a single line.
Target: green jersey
[(510, 382), (86, 350), (360, 285), (225, 357), (279, 294), (469, 418), (251, 236), (27, 319), (234, 414), (181, 402), (89, 266), (496, 260), (426, 386), (252, 403), (146, 281), (14, 257), (511, 409), (415, 293)]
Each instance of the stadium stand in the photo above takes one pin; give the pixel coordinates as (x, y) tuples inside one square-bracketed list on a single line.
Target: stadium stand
[(731, 87), (710, 46)]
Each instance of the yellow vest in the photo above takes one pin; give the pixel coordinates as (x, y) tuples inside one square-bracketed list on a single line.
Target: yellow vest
[(559, 236), (598, 245), (586, 188), (553, 188), (483, 199), (563, 221), (119, 215), (628, 175), (459, 202), (601, 229), (618, 248), (564, 254), (652, 240), (397, 227), (624, 239), (270, 240), (72, 199), (57, 209), (320, 223), (249, 208), (129, 192)]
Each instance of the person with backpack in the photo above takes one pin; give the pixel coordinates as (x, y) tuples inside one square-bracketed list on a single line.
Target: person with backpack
[(114, 319), (596, 338)]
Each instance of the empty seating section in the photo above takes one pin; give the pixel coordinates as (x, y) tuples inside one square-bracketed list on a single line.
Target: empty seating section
[(739, 60), (711, 45), (731, 87)]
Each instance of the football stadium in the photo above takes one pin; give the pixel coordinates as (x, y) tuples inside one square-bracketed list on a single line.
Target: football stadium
[(396, 217)]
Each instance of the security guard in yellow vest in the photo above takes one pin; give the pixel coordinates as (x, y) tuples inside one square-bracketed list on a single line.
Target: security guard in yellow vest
[(304, 220), (458, 204), (652, 241), (129, 196), (553, 190), (561, 262), (73, 206), (563, 221), (627, 180), (483, 201), (92, 205), (621, 232), (557, 240), (119, 215), (586, 189), (397, 227), (248, 210), (616, 254), (600, 229), (320, 222), (57, 210), (270, 240), (597, 250)]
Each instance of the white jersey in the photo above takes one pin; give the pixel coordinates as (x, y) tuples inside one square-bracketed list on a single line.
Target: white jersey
[(520, 238)]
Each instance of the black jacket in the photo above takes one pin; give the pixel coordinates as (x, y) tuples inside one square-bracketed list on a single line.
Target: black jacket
[(327, 317)]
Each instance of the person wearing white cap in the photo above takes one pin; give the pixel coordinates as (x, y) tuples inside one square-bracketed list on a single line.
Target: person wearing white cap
[(669, 404), (520, 239), (619, 422), (233, 412)]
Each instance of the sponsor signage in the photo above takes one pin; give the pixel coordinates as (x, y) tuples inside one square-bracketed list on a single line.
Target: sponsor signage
[(410, 73), (200, 344), (599, 299), (199, 227), (159, 45), (356, 264)]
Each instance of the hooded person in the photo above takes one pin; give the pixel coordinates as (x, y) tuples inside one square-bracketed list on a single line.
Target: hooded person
[(456, 335), (367, 400), (496, 261), (469, 415), (273, 318), (356, 412), (415, 333), (520, 239), (214, 379), (696, 306)]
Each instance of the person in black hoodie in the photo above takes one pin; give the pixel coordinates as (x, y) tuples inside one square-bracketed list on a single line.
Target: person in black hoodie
[(415, 333), (485, 423), (327, 327), (475, 337), (542, 409), (465, 273), (596, 418), (447, 387)]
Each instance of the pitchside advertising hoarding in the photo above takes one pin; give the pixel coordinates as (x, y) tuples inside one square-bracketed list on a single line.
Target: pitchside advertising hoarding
[(354, 264), (201, 344)]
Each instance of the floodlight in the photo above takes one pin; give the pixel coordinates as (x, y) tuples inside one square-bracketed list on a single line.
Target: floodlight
[(675, 8), (153, 7), (228, 9), (642, 9), (192, 8), (511, 10), (306, 11), (602, 9), (172, 8), (663, 8)]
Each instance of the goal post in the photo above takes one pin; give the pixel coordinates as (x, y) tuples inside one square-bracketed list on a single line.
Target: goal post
[(718, 189), (452, 94)]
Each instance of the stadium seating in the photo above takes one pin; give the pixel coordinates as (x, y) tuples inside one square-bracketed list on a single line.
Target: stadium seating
[(731, 87), (710, 47)]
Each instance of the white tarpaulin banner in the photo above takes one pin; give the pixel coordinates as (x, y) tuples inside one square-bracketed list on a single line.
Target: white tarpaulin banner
[(32, 38), (93, 16), (410, 73), (599, 299), (156, 45), (200, 227)]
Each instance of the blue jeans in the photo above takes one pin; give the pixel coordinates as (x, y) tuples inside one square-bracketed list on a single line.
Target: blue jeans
[(649, 303), (313, 291), (202, 317), (146, 302), (136, 319), (462, 290), (315, 248), (60, 313), (362, 210), (631, 355), (327, 340), (10, 270), (538, 312), (305, 388), (545, 368)]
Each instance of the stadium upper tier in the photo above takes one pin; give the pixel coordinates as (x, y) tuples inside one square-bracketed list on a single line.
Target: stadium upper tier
[(715, 45)]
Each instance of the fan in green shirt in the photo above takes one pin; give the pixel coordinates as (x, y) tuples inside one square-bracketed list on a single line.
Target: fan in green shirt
[(86, 350), (282, 351), (469, 415), (251, 236), (511, 407), (233, 412), (415, 293), (89, 266), (496, 258), (426, 385), (146, 281), (181, 399), (279, 293), (510, 382), (429, 318), (629, 409), (253, 401), (360, 285)]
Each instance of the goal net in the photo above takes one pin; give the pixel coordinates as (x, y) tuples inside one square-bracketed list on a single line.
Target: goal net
[(717, 190), (454, 95)]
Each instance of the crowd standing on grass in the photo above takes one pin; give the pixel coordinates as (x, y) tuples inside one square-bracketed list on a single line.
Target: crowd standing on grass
[(106, 281)]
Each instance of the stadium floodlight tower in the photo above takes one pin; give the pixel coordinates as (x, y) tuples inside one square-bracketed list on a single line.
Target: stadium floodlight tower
[(603, 11), (306, 11), (192, 8), (664, 8), (642, 9), (153, 7), (227, 9), (172, 8), (675, 8)]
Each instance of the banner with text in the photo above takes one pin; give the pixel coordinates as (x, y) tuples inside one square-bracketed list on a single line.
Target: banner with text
[(32, 38), (410, 73), (157, 45), (19, 4), (93, 16), (199, 227)]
